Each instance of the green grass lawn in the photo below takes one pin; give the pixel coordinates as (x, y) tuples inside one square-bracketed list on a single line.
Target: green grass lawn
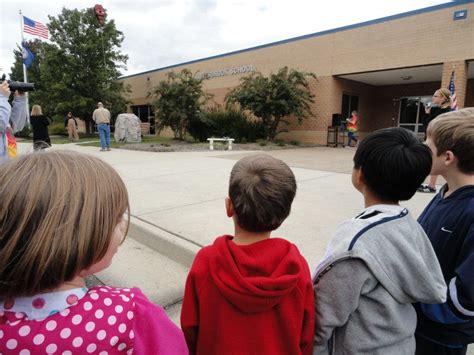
[(93, 140), (65, 139), (145, 139)]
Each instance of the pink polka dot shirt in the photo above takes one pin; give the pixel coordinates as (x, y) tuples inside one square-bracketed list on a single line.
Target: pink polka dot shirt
[(101, 320)]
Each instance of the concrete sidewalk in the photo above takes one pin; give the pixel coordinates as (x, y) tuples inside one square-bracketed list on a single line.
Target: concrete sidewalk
[(177, 206), (182, 193)]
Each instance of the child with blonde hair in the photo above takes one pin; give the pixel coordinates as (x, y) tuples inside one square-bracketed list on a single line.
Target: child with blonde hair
[(53, 234)]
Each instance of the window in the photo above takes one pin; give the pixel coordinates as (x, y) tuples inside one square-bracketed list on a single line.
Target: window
[(349, 103), (142, 111), (145, 114)]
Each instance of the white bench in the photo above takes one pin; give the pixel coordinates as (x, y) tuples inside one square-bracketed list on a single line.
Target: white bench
[(228, 140)]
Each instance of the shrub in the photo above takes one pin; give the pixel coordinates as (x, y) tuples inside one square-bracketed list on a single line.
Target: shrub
[(56, 118), (26, 132), (200, 128), (217, 122), (57, 129), (295, 143)]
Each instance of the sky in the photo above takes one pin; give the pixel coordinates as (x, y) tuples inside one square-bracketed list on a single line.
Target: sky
[(159, 33)]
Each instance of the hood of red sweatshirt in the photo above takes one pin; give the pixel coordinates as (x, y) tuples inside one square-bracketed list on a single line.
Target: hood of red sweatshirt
[(255, 277)]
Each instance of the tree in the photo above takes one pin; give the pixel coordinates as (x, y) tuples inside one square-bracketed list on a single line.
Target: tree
[(79, 67), (177, 101), (275, 98), (36, 46)]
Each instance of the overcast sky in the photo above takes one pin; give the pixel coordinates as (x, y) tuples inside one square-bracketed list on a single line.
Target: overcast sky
[(166, 32)]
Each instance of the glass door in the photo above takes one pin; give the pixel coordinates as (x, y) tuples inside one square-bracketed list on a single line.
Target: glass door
[(412, 111)]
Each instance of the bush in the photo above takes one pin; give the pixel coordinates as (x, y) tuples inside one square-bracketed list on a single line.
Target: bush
[(217, 122), (295, 143), (200, 128), (57, 129), (26, 132), (57, 118)]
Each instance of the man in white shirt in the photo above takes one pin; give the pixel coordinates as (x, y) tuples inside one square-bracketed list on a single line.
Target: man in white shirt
[(101, 116)]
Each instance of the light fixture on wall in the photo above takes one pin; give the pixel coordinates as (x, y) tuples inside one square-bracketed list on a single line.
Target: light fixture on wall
[(406, 77)]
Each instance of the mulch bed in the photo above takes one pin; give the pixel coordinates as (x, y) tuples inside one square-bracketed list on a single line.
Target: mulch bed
[(180, 146)]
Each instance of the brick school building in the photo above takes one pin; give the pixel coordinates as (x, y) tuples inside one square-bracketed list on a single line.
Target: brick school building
[(385, 68)]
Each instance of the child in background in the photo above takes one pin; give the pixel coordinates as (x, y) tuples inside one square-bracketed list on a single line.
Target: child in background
[(249, 293), (381, 261), (448, 220), (54, 234), (352, 124)]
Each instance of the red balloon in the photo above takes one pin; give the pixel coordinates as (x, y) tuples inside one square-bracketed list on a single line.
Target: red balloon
[(100, 13)]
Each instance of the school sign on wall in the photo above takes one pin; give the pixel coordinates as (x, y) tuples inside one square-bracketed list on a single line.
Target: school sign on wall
[(227, 71)]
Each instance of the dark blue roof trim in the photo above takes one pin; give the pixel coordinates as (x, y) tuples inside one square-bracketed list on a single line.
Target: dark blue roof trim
[(316, 34), (383, 220)]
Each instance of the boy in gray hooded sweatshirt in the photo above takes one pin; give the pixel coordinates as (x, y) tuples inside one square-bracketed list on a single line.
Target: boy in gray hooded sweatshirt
[(381, 261)]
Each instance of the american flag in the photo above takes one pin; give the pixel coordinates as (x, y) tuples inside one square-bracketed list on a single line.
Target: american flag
[(452, 89), (35, 28)]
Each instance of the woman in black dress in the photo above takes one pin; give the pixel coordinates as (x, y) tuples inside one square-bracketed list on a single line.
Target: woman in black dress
[(39, 123)]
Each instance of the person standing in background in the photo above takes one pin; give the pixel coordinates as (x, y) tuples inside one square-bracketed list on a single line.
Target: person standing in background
[(101, 117), (39, 124), (441, 103), (352, 124), (70, 124)]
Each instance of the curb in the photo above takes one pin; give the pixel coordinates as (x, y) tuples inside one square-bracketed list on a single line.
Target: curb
[(171, 245)]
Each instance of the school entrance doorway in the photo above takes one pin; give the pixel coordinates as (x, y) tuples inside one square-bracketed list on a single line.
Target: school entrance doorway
[(411, 113)]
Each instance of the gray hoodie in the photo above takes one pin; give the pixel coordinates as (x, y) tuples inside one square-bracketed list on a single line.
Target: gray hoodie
[(376, 266)]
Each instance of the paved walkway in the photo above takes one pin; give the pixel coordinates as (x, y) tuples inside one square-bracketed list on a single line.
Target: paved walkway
[(177, 204), (183, 192)]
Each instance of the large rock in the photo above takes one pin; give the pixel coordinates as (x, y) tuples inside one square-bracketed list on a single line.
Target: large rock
[(127, 128)]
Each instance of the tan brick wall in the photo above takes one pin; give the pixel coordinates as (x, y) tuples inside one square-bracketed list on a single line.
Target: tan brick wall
[(388, 105), (460, 69), (409, 41)]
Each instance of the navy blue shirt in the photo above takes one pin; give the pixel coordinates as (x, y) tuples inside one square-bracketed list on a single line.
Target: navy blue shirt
[(449, 224)]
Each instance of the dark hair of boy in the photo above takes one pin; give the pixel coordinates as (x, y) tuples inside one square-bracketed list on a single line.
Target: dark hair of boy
[(261, 189), (454, 131), (394, 163)]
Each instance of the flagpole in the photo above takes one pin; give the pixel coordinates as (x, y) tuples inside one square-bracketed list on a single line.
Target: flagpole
[(25, 76)]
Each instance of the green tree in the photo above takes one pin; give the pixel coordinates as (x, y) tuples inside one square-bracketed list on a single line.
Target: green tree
[(80, 65), (178, 101), (34, 75), (273, 99)]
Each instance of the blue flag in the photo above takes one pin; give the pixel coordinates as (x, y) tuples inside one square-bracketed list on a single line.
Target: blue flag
[(27, 55)]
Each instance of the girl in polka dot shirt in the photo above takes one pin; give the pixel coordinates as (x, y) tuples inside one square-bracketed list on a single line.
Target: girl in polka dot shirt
[(62, 219)]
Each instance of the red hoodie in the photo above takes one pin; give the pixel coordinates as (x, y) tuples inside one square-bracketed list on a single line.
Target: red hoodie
[(249, 299)]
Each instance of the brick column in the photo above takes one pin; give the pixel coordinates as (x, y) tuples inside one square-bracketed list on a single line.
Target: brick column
[(460, 79)]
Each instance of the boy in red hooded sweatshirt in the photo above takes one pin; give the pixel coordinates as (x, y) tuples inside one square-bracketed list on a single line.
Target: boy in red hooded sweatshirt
[(249, 293)]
